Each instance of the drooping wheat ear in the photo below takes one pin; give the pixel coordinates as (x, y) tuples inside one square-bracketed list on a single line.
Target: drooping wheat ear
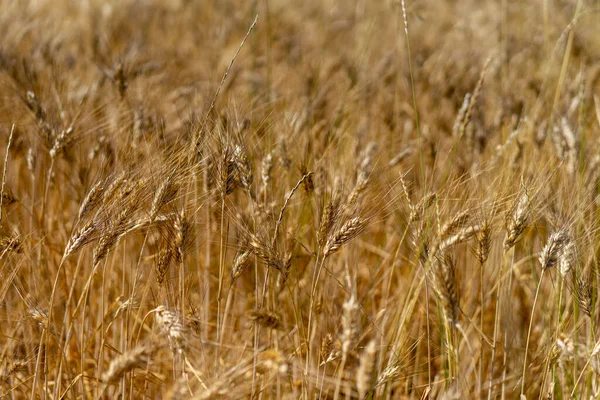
[(128, 304), (362, 175), (80, 238), (417, 210), (228, 173), (60, 140), (517, 219), (571, 141), (282, 278), (10, 244), (350, 324), (583, 295), (115, 187), (444, 271), (473, 101), (420, 244), (125, 362), (165, 257), (179, 389), (328, 218), (170, 324), (266, 168), (282, 153), (359, 188), (240, 263), (308, 184), (484, 241), (8, 198), (91, 200), (554, 248), (568, 257), (183, 236), (405, 191), (460, 117), (111, 234), (40, 317), (267, 318), (164, 194), (348, 231), (192, 319), (365, 376), (457, 222), (461, 236), (13, 367), (593, 173), (271, 361), (326, 348), (401, 156), (243, 166), (266, 254)]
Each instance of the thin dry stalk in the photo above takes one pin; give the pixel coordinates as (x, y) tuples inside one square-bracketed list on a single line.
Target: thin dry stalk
[(197, 139), (476, 93), (2, 195), (287, 200)]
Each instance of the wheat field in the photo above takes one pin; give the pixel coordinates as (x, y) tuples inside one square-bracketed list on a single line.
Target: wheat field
[(299, 200)]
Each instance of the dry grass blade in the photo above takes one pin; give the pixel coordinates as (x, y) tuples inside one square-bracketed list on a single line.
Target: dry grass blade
[(5, 197)]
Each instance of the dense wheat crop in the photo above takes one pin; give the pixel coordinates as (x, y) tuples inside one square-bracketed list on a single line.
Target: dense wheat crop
[(280, 200)]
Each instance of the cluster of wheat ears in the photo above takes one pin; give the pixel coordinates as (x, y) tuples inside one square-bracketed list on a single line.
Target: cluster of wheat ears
[(321, 199)]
